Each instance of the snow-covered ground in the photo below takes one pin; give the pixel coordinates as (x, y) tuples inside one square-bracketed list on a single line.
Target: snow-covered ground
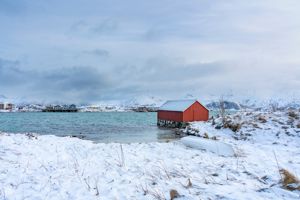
[(50, 167)]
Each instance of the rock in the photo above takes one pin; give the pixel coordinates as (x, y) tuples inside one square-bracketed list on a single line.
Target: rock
[(298, 125), (255, 125), (218, 126), (78, 136)]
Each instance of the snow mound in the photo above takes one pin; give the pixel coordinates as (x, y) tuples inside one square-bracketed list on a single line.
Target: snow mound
[(219, 148)]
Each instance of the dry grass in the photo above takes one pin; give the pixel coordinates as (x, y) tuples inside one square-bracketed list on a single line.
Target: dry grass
[(189, 183), (121, 157), (206, 136), (214, 138), (222, 110), (274, 106), (156, 194), (289, 181), (31, 136), (2, 194), (262, 119), (293, 114), (235, 127), (174, 194), (255, 125)]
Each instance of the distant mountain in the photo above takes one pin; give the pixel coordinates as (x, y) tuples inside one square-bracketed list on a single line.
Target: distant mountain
[(151, 102), (146, 101), (2, 97), (229, 105), (267, 104)]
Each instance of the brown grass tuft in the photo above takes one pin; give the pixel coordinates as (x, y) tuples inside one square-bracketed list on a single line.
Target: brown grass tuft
[(206, 136), (262, 119), (189, 183), (235, 127), (293, 114), (174, 194), (213, 138), (31, 136), (289, 181)]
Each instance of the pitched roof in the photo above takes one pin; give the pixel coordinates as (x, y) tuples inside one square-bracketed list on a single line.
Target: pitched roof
[(177, 105)]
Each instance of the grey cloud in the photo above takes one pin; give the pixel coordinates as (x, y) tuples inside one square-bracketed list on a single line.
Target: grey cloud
[(97, 52), (106, 26), (75, 79), (168, 69), (74, 84), (164, 47), (78, 26), (10, 73), (163, 75), (154, 33), (9, 63)]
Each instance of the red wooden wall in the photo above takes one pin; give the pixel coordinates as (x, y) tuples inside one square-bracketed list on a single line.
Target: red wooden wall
[(170, 115), (196, 112)]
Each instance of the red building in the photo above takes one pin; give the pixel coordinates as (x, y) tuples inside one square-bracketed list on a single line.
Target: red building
[(179, 111)]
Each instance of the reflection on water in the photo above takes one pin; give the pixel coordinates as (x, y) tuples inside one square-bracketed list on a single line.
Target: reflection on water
[(167, 135)]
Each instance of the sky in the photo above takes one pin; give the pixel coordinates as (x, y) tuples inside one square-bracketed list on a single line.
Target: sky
[(82, 51)]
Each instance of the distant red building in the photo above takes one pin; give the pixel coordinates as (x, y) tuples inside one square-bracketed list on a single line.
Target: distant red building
[(182, 111)]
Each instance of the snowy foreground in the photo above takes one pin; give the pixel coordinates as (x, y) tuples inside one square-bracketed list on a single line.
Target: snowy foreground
[(50, 167)]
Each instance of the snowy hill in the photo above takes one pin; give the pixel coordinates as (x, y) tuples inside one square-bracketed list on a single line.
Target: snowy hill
[(229, 105), (147, 101), (152, 102)]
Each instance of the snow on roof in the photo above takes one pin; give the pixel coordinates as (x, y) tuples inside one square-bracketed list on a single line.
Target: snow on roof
[(177, 105)]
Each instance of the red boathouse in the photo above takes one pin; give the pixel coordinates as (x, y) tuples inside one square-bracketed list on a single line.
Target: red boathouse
[(177, 112)]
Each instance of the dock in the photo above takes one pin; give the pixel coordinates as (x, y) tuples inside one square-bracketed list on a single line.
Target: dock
[(57, 108)]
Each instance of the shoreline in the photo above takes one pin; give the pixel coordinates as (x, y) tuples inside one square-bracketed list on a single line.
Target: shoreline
[(47, 166)]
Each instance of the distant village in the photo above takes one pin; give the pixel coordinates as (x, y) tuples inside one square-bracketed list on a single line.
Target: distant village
[(10, 107), (7, 106)]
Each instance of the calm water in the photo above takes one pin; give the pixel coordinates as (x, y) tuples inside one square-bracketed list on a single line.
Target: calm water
[(99, 127)]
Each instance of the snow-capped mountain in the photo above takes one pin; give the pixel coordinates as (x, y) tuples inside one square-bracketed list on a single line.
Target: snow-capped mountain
[(146, 101), (229, 105), (142, 103)]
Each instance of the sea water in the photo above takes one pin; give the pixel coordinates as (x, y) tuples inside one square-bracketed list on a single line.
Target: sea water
[(97, 126)]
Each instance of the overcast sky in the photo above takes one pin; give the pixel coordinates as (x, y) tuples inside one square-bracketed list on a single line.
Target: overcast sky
[(88, 51)]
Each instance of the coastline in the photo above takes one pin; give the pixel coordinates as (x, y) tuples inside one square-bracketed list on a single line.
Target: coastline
[(51, 167)]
